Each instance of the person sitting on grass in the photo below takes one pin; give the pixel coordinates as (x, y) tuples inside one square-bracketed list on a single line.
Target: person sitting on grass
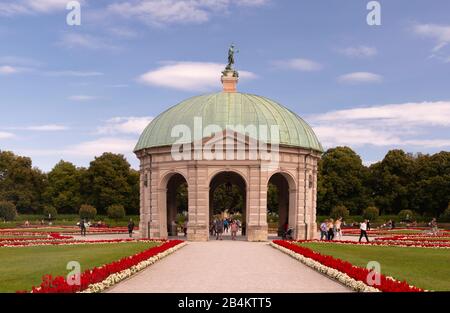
[(363, 228)]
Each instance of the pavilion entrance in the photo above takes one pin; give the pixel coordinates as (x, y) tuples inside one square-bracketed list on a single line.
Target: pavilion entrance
[(228, 203)]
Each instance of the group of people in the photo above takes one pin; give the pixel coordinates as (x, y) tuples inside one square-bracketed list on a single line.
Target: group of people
[(389, 224), (219, 226), (83, 224), (330, 229)]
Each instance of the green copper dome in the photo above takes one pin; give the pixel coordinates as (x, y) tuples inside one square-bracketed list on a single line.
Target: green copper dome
[(229, 108)]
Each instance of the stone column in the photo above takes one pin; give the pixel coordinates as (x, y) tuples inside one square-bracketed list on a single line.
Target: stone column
[(198, 223), (300, 225), (257, 228)]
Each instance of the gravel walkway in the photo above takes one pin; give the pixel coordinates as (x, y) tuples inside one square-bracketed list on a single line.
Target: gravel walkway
[(228, 266)]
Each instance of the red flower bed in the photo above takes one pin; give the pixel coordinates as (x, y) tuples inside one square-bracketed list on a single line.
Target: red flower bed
[(355, 272), (59, 284), (59, 236)]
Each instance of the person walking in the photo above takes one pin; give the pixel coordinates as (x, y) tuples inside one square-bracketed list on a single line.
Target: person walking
[(234, 229), (83, 227), (434, 227), (323, 230), (225, 225), (219, 229), (330, 229), (337, 228), (363, 229), (185, 226), (130, 228)]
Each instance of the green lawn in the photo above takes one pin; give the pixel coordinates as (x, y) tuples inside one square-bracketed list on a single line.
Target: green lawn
[(21, 268), (423, 267)]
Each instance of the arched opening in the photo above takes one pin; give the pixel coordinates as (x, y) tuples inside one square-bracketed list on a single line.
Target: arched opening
[(280, 202), (227, 204), (177, 205)]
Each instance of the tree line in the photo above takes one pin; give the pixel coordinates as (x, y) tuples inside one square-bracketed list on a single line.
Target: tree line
[(401, 181), (109, 180)]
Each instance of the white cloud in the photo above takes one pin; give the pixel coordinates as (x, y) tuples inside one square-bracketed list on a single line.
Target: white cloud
[(406, 124), (359, 51), (353, 135), (125, 125), (298, 64), (161, 12), (360, 77), (88, 149), (8, 70), (413, 114), (99, 146), (251, 3), (440, 33), (82, 98), (191, 76), (5, 135)]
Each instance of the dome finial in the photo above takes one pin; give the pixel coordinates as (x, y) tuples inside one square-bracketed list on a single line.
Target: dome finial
[(230, 76)]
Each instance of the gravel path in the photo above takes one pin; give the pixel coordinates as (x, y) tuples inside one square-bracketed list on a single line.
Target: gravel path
[(228, 266)]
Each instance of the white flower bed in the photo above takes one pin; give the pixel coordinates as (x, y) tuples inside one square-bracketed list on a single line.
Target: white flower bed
[(331, 272)]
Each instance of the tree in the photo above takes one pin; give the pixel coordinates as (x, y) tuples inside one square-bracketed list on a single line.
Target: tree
[(430, 187), (339, 211), (87, 211), (272, 198), (342, 181), (64, 190), (224, 200), (389, 181), (371, 213), (20, 183), (7, 211), (109, 180), (116, 211)]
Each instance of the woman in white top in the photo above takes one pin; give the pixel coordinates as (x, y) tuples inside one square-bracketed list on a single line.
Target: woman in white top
[(337, 228)]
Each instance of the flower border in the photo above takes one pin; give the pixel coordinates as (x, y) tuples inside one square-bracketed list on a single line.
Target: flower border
[(113, 279), (100, 278), (350, 275)]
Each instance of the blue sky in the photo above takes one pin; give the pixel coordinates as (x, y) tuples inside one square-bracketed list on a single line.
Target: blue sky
[(72, 92)]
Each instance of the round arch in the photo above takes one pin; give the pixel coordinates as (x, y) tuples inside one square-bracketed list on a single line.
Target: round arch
[(235, 178), (167, 201), (286, 198)]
